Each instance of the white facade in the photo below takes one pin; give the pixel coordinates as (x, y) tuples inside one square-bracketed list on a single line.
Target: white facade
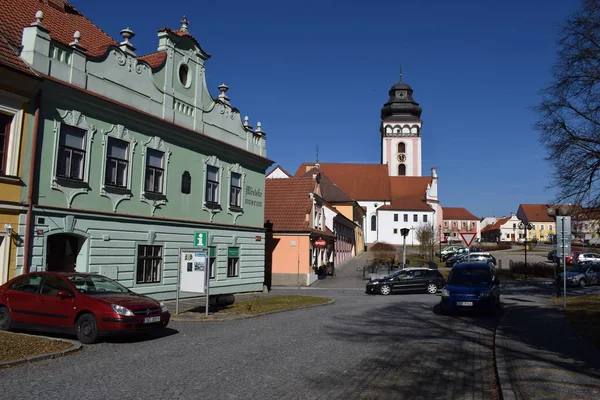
[(391, 221), (277, 173), (488, 221), (509, 231), (372, 236)]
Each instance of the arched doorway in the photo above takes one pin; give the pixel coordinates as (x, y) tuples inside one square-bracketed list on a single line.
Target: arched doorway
[(62, 250)]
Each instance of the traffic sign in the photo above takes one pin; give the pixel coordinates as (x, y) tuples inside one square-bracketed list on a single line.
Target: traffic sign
[(200, 239), (467, 238)]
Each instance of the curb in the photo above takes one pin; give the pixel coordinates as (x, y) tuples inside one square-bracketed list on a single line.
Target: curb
[(75, 346), (506, 389), (247, 316)]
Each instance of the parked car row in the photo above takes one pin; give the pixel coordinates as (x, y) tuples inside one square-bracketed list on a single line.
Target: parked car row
[(452, 251), (575, 257), (583, 274)]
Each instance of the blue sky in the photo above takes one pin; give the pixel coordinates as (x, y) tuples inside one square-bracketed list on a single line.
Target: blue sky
[(318, 73)]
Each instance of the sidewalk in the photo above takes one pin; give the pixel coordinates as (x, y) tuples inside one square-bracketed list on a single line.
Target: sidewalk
[(539, 354)]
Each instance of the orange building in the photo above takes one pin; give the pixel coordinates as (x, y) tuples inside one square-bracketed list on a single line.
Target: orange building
[(297, 238)]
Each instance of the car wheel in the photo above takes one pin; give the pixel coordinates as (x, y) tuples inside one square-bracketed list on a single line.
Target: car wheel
[(385, 290), (4, 319), (432, 288), (86, 328), (582, 283)]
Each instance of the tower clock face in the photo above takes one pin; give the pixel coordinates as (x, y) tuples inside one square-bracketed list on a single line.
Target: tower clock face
[(401, 157)]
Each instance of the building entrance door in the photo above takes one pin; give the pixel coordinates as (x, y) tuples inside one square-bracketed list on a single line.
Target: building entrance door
[(61, 252)]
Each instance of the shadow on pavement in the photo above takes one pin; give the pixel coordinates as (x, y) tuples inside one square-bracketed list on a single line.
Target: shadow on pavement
[(413, 353)]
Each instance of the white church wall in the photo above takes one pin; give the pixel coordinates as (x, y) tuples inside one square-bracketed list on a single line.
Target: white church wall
[(389, 229)]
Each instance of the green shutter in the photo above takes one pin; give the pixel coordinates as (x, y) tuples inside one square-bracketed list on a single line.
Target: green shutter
[(212, 251), (233, 252)]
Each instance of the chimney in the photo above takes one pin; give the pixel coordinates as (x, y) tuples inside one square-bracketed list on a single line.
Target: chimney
[(58, 4)]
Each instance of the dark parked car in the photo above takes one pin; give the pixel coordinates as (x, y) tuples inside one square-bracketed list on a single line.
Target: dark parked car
[(582, 274), (471, 286), (408, 280), (455, 259), (87, 305)]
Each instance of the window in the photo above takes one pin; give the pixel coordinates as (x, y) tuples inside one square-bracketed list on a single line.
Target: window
[(446, 223), (233, 261), (405, 217), (212, 261), (154, 171), (117, 163), (373, 222), (415, 218), (235, 196), (473, 224), (401, 170), (212, 184), (454, 224), (149, 262), (395, 217), (5, 124), (464, 224), (424, 217), (54, 284), (401, 147), (395, 231), (549, 227), (27, 283), (71, 153)]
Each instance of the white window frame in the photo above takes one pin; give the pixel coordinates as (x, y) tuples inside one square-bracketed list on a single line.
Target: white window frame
[(212, 208), (236, 168), (13, 106), (117, 194), (70, 188), (155, 200)]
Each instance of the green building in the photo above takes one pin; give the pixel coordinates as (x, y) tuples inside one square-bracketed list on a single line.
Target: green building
[(133, 158)]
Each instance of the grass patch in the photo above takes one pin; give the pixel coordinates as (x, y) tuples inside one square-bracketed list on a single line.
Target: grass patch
[(14, 346), (260, 305), (584, 313)]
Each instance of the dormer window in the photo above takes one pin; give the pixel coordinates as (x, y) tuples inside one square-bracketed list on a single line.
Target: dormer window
[(185, 78)]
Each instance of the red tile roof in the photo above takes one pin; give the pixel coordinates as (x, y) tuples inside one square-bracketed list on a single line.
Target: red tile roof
[(287, 204), (496, 225), (458, 213), (408, 193), (154, 60), (9, 57), (367, 182), (329, 190), (534, 213), (62, 24)]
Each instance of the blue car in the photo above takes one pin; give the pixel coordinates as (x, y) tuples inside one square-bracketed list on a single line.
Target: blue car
[(471, 286)]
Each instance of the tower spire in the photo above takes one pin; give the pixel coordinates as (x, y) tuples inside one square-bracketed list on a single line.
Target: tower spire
[(317, 147), (400, 72)]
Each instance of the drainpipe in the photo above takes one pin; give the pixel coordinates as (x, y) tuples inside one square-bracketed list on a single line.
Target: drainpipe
[(30, 184)]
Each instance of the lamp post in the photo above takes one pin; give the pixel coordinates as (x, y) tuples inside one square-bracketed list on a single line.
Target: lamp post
[(526, 227), (404, 233), (440, 233), (562, 214)]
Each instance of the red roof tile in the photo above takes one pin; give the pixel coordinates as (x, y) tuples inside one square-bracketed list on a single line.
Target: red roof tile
[(458, 213), (496, 225), (154, 60), (408, 193), (367, 182), (287, 203), (9, 57), (534, 213), (62, 24)]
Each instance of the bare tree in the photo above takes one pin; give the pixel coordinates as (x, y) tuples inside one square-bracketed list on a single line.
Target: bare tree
[(569, 113), (426, 236)]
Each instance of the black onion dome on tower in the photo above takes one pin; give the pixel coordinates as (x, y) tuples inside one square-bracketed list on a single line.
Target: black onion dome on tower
[(401, 106)]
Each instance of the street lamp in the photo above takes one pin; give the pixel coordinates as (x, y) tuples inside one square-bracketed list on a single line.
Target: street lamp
[(440, 234), (562, 214), (526, 227), (404, 233)]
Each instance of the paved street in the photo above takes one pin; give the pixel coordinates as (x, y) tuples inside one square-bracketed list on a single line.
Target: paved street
[(361, 347)]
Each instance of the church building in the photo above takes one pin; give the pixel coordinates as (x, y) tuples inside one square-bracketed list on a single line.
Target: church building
[(393, 194)]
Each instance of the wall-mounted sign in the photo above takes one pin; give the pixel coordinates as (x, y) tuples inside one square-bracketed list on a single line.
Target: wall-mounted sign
[(320, 243), (252, 193), (257, 238), (200, 239), (233, 252)]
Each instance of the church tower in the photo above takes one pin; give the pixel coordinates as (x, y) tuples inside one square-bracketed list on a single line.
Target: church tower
[(401, 132)]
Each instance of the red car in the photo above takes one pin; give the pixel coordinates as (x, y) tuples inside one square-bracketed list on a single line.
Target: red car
[(87, 305)]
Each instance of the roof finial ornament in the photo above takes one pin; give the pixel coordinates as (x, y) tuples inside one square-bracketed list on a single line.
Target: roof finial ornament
[(76, 37), (39, 17), (258, 127), (317, 147), (246, 123), (223, 88), (126, 45), (184, 24), (400, 72)]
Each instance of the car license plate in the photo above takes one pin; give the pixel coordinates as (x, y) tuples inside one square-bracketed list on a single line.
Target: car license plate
[(149, 320), (464, 303)]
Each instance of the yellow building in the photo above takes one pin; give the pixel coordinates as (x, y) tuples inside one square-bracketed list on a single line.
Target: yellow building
[(543, 226), (17, 90)]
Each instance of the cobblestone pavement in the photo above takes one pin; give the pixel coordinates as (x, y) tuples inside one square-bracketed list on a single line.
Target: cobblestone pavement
[(360, 347), (544, 358)]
